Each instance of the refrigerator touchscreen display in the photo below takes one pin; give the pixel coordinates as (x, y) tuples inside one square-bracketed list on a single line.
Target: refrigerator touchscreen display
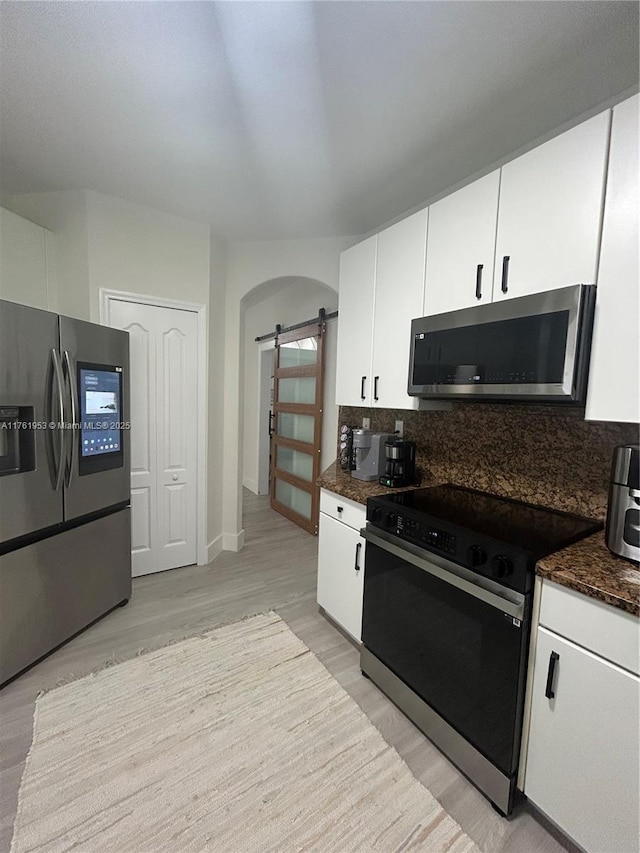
[(100, 388)]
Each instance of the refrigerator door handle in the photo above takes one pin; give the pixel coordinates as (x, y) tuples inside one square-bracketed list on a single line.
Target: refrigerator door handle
[(73, 396), (59, 385)]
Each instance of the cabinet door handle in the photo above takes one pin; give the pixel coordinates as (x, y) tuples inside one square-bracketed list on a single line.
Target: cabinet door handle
[(479, 281), (357, 565), (554, 657), (362, 387), (505, 273), (340, 508), (375, 387)]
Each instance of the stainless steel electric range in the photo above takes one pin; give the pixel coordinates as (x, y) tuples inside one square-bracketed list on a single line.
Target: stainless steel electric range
[(448, 584)]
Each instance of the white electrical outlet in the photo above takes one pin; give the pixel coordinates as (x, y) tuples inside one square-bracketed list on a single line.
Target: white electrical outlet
[(399, 428), (366, 423)]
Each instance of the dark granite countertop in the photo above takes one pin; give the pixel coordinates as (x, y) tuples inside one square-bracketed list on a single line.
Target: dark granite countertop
[(590, 568), (587, 566), (334, 479)]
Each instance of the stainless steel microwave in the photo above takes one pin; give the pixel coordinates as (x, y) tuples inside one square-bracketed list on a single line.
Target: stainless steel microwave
[(529, 348)]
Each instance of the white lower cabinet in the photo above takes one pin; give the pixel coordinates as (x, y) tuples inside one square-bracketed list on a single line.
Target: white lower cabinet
[(583, 755), (341, 562)]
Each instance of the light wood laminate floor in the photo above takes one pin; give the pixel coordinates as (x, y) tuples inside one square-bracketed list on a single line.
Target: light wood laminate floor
[(276, 570)]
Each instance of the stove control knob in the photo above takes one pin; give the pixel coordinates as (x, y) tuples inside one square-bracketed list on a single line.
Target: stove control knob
[(390, 519), (501, 566), (476, 556), (376, 513)]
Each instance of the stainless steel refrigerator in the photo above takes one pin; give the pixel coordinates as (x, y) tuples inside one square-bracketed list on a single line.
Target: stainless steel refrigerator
[(65, 525)]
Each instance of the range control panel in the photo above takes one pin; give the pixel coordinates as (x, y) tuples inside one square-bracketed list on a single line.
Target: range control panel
[(472, 550), (416, 531)]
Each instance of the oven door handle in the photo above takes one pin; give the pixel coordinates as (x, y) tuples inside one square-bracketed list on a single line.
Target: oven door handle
[(444, 570)]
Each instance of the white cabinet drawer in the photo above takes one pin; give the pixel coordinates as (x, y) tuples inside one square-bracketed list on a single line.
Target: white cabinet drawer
[(605, 630), (342, 509)]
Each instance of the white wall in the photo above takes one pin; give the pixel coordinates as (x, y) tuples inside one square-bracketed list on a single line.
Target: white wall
[(64, 214), (294, 301), (133, 248), (105, 242), (249, 265), (215, 420), (24, 272), (100, 241)]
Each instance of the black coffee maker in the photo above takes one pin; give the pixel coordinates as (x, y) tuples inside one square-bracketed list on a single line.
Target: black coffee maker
[(400, 463)]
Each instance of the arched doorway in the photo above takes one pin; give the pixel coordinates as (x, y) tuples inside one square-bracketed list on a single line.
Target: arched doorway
[(286, 300)]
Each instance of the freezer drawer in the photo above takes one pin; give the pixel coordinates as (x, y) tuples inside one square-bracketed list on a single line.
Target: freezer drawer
[(52, 589)]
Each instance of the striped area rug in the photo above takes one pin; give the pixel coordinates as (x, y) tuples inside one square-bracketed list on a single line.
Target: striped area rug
[(237, 741)]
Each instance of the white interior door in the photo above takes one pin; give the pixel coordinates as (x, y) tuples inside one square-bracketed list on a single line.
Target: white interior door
[(163, 433)]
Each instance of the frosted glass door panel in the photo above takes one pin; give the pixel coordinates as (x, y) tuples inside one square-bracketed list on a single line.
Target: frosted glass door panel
[(294, 498), (299, 353), (296, 439), (300, 427), (295, 462), (298, 390)]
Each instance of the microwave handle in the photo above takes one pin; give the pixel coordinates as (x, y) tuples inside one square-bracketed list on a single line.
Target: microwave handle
[(73, 396)]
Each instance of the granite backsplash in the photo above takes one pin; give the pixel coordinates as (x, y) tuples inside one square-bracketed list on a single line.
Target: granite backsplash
[(540, 454)]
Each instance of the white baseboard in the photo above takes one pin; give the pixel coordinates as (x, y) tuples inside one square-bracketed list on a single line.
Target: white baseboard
[(252, 485), (214, 548), (233, 541)]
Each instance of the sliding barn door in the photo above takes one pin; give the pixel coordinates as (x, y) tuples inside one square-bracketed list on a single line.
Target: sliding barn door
[(297, 423)]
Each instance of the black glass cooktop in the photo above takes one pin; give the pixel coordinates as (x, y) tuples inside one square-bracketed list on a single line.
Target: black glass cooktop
[(536, 529)]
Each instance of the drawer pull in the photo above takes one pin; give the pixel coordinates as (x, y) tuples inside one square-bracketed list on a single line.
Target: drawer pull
[(340, 509), (479, 281), (357, 566), (554, 657), (505, 273)]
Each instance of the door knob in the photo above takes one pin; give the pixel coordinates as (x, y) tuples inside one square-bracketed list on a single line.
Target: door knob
[(175, 477)]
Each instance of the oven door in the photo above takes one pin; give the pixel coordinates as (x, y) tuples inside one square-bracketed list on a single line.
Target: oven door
[(457, 640)]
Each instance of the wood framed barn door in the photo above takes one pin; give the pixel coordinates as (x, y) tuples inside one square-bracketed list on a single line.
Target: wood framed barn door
[(297, 423)]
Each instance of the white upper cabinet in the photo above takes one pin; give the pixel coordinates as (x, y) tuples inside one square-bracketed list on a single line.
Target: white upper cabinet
[(550, 212), (461, 246), (533, 225), (614, 376), (381, 291), (355, 324), (398, 299)]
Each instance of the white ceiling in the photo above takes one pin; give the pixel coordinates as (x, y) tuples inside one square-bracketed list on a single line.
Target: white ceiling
[(289, 119)]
